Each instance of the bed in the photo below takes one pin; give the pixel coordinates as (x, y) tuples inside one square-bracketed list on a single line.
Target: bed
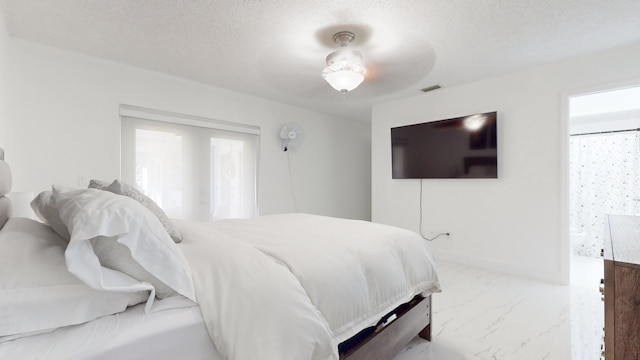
[(104, 274)]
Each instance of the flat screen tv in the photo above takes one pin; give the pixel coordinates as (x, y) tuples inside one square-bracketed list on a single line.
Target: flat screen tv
[(462, 147)]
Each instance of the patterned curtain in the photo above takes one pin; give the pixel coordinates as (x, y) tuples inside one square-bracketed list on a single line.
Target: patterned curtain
[(605, 179)]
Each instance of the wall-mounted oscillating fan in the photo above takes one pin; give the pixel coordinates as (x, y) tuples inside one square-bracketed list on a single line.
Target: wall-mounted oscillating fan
[(291, 136)]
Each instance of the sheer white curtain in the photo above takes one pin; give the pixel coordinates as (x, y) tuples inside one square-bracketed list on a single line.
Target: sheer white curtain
[(604, 179), (193, 168)]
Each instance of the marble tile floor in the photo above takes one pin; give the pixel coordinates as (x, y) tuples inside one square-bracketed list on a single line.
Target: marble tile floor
[(483, 314)]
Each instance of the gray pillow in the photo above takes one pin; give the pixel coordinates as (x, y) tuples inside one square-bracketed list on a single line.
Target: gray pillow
[(121, 188), (98, 184)]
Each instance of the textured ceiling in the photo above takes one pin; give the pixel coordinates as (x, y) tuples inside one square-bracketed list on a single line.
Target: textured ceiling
[(276, 48)]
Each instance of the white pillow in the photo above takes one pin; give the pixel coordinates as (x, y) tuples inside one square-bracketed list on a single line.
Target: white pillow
[(116, 256), (46, 209), (91, 213), (37, 292)]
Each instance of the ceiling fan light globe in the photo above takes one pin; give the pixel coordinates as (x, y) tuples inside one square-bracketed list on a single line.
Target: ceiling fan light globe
[(344, 58), (344, 80)]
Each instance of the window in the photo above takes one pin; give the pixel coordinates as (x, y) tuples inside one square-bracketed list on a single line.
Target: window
[(194, 168)]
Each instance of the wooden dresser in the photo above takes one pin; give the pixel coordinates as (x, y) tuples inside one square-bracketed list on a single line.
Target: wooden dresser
[(621, 287)]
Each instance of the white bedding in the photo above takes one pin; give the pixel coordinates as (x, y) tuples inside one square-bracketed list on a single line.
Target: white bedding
[(130, 335), (293, 286), (289, 286), (37, 292)]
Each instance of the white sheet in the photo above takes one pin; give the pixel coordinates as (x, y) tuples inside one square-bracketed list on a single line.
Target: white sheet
[(169, 334), (292, 286)]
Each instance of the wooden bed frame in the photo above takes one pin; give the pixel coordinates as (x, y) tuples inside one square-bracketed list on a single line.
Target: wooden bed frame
[(413, 319)]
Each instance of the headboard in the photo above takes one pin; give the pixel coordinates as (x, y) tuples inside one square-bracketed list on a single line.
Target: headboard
[(5, 188)]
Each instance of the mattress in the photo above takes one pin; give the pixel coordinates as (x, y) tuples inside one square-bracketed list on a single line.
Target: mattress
[(132, 334)]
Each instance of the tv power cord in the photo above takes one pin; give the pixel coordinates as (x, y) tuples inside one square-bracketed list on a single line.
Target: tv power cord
[(420, 225)]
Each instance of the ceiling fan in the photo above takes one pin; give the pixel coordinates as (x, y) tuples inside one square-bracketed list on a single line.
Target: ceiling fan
[(378, 63), (345, 69)]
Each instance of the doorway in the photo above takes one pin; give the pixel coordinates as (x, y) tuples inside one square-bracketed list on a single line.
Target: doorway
[(604, 168)]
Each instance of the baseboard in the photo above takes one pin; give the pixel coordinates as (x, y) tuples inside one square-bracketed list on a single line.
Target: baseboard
[(503, 267)]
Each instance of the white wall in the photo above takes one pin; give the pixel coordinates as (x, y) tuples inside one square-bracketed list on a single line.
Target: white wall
[(3, 78), (63, 123), (517, 223)]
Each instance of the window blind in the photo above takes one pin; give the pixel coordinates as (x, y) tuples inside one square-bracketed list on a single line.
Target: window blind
[(194, 168)]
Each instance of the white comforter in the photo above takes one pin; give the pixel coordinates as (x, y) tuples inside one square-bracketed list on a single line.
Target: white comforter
[(294, 286)]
